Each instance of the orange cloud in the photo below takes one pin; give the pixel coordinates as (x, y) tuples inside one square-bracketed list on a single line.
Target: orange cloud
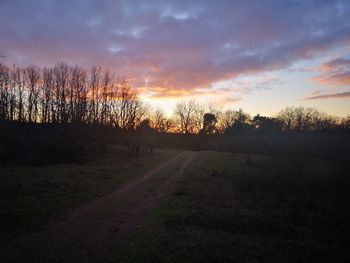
[(172, 92)]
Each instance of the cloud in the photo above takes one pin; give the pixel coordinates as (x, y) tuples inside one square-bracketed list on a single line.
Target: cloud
[(339, 95), (334, 72), (224, 96), (335, 64), (227, 101), (337, 78), (180, 46)]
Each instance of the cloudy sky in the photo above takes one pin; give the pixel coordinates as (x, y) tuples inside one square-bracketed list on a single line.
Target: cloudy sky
[(257, 55)]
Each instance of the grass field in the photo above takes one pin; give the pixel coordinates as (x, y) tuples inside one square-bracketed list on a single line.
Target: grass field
[(215, 215), (222, 207), (30, 196)]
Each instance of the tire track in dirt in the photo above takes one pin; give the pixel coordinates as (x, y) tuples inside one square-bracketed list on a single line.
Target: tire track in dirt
[(92, 247)]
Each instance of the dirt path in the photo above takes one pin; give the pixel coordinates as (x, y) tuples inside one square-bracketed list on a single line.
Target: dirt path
[(82, 211), (87, 234)]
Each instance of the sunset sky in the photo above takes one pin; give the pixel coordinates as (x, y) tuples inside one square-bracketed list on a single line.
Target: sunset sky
[(257, 55)]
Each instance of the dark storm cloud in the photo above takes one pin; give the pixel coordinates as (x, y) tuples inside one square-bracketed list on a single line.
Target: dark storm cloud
[(178, 44)]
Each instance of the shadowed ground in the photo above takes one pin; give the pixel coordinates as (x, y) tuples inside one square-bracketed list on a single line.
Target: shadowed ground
[(88, 232), (186, 207)]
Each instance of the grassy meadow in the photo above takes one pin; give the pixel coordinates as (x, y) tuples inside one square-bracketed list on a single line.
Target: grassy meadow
[(223, 207), (32, 195), (246, 208)]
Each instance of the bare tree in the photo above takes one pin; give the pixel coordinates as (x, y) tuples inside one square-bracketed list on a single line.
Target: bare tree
[(106, 83), (184, 114), (198, 112), (93, 96), (304, 119), (61, 72), (46, 98), (18, 84), (160, 122), (230, 117), (32, 79), (4, 92), (77, 98), (66, 94)]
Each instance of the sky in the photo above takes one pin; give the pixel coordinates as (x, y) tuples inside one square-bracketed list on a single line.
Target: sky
[(257, 55)]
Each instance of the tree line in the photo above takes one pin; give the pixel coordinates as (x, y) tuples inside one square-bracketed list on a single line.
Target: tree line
[(66, 94), (70, 94), (192, 117)]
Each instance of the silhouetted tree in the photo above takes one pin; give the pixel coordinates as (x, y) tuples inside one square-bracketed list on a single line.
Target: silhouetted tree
[(229, 117), (160, 122), (209, 122), (46, 99), (265, 124), (299, 119), (4, 92), (32, 78), (198, 112), (18, 85), (184, 113), (66, 94)]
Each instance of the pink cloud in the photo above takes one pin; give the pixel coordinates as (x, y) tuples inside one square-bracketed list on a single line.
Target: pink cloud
[(334, 72), (177, 45)]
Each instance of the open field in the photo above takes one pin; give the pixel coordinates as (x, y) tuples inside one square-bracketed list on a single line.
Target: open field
[(176, 206), (31, 195), (174, 131), (221, 212)]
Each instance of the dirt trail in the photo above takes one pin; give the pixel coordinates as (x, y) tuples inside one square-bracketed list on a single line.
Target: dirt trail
[(87, 234), (82, 211), (98, 247)]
